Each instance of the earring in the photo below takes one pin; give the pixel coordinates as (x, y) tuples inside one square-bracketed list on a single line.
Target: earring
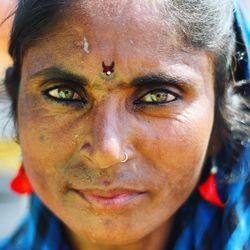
[(20, 184), (125, 158), (208, 189)]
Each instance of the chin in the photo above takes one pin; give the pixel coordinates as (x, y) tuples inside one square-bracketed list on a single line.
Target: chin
[(109, 237)]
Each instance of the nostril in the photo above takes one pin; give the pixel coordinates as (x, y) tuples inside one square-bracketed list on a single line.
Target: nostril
[(86, 148)]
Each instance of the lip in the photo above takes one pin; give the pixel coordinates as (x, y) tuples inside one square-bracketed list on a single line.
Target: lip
[(112, 200)]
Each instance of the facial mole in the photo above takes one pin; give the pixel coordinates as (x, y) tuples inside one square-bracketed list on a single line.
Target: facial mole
[(105, 182), (41, 138), (108, 222)]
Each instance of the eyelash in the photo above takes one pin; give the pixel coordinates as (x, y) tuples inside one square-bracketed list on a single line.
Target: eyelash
[(157, 91), (82, 101), (72, 102)]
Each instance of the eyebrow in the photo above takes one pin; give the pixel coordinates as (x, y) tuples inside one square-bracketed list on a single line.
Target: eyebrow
[(161, 78), (142, 81), (60, 74)]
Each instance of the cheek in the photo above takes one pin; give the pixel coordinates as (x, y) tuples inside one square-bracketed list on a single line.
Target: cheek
[(48, 140), (177, 148)]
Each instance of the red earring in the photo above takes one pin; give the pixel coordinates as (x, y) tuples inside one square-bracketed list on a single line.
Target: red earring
[(208, 189), (20, 184)]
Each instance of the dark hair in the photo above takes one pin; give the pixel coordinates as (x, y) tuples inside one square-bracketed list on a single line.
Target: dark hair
[(31, 20), (203, 24)]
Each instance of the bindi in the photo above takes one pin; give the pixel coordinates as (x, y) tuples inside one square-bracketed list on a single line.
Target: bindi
[(108, 71)]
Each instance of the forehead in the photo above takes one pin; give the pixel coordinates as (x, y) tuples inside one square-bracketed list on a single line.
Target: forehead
[(133, 33), (116, 16), (113, 25)]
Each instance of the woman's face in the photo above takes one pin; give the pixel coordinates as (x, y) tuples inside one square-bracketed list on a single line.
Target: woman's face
[(75, 123)]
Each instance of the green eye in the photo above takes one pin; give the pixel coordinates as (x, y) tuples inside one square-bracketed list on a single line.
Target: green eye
[(158, 96), (64, 93)]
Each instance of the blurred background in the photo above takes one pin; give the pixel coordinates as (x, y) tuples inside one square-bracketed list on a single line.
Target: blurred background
[(14, 207)]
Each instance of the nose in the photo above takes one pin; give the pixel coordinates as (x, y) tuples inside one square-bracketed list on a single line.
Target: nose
[(107, 144)]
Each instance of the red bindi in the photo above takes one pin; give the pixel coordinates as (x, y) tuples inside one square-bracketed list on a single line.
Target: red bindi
[(108, 69)]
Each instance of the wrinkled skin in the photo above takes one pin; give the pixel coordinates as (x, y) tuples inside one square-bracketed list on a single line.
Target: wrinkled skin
[(80, 144)]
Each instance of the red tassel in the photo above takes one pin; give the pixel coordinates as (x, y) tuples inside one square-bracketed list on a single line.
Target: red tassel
[(208, 190), (21, 184)]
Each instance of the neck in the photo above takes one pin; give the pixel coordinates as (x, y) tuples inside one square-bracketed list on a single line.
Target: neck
[(156, 240)]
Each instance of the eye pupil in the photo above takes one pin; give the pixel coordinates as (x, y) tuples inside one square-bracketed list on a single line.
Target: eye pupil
[(159, 97), (65, 93)]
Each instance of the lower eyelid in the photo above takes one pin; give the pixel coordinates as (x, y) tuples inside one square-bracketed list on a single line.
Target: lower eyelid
[(68, 103)]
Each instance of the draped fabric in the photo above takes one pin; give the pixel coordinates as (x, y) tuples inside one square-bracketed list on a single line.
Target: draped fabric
[(245, 27), (40, 230)]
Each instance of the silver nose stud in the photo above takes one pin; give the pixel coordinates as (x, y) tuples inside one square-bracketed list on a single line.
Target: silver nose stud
[(125, 158)]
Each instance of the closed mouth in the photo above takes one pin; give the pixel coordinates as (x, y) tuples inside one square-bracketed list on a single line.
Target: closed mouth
[(110, 200)]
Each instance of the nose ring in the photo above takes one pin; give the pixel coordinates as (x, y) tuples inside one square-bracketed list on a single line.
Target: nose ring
[(125, 158)]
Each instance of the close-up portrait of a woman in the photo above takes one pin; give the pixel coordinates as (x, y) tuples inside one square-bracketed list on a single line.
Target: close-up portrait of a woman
[(133, 122)]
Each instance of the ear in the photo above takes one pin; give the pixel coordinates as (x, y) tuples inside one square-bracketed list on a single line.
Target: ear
[(11, 83), (16, 139), (217, 138)]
